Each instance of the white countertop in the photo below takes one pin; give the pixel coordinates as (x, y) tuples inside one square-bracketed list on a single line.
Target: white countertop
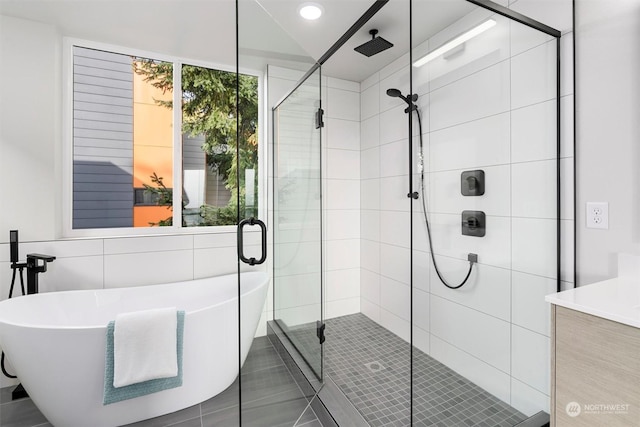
[(614, 299)]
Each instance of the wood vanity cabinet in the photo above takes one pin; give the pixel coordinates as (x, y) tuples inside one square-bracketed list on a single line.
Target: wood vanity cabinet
[(595, 370)]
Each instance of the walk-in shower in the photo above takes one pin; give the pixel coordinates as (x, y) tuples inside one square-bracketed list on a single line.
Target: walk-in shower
[(423, 199)]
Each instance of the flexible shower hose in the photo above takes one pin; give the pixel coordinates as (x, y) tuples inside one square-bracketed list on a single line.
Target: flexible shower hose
[(426, 218)]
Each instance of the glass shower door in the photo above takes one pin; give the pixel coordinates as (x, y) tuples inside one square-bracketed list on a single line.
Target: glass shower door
[(297, 236)]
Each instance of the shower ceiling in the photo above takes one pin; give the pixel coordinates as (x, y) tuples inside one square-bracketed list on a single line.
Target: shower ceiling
[(197, 28)]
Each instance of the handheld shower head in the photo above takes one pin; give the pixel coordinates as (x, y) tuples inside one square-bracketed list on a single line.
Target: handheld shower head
[(395, 93), (409, 99)]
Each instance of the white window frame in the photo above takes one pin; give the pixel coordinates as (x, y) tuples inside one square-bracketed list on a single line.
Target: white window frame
[(67, 150)]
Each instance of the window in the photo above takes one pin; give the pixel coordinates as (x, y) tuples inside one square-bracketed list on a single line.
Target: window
[(124, 171)]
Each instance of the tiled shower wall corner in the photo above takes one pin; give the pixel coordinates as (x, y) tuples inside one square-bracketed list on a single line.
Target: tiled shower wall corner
[(495, 331), (341, 197), (105, 263)]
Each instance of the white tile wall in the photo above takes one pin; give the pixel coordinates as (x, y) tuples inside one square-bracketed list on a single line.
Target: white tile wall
[(476, 333), (493, 108), (480, 95), (530, 358)]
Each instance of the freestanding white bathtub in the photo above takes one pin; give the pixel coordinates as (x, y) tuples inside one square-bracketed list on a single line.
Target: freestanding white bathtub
[(56, 344)]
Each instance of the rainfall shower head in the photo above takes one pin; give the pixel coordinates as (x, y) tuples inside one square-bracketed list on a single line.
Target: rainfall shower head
[(373, 46)]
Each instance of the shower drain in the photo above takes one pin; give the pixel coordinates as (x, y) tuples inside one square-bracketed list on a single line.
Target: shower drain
[(374, 366)]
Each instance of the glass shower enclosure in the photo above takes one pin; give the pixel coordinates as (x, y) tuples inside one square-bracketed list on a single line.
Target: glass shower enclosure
[(410, 266)]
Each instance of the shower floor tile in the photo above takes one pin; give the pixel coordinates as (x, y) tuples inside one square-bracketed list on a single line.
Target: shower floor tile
[(370, 364)]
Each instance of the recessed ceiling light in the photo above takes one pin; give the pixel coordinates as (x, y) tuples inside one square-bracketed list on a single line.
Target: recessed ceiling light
[(310, 11)]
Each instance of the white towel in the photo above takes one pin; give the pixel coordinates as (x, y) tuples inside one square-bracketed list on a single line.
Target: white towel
[(144, 346)]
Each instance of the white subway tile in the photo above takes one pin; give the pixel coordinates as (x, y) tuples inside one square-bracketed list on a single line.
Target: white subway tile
[(342, 224), (369, 102), (370, 225), (343, 134), (289, 259), (478, 334), (394, 125), (395, 297), (534, 132), (535, 246), (284, 73), (528, 400), (534, 189), (59, 248), (533, 76), (342, 254), (487, 289), (529, 309), (342, 194), (370, 132), (297, 290), (479, 95), (484, 142), (395, 228), (397, 325), (394, 263), (421, 309), (148, 268), (342, 307), (370, 194), (342, 84), (370, 286), (422, 270), (421, 340), (370, 163), (524, 38), (218, 240), (372, 311), (343, 164), (70, 274), (343, 104), (343, 284), (484, 375), (397, 65), (130, 245), (531, 358), (393, 193)]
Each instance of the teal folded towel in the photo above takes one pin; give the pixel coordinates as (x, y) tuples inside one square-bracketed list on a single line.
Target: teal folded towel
[(113, 394)]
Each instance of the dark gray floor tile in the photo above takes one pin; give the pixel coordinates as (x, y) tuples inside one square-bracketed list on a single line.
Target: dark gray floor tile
[(224, 400), (282, 414), (228, 417), (169, 419), (307, 417), (193, 422), (261, 358), (20, 413), (314, 423)]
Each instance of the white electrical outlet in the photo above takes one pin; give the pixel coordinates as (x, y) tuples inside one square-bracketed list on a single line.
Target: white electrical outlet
[(598, 215)]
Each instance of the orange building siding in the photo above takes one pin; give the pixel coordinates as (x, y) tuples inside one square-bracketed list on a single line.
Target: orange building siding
[(152, 146)]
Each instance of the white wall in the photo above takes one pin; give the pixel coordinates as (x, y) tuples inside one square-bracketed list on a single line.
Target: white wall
[(30, 123), (492, 108), (608, 132)]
